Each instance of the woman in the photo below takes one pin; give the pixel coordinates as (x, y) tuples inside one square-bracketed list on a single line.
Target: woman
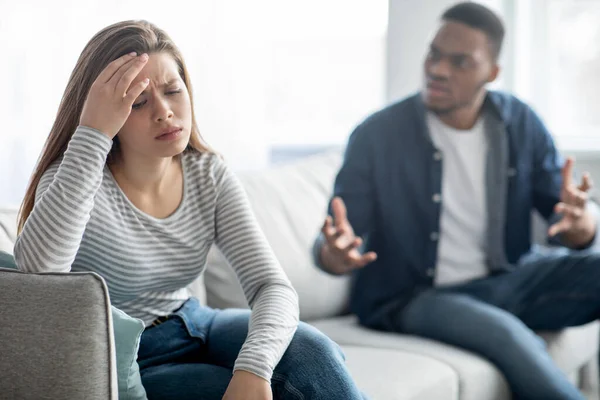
[(126, 187)]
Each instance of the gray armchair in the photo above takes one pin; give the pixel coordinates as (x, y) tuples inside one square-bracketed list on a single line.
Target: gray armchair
[(56, 337)]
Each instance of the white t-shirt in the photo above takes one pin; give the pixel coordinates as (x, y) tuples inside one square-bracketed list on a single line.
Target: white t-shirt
[(463, 221)]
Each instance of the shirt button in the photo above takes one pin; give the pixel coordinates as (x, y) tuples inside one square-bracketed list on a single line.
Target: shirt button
[(436, 198), (437, 156), (434, 236), (430, 272)]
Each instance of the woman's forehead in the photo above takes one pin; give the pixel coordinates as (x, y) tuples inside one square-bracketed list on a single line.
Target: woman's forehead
[(161, 69)]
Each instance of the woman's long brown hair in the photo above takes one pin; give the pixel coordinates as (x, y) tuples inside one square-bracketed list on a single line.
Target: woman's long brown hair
[(106, 46)]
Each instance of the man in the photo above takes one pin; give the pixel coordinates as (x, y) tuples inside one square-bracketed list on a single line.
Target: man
[(441, 187)]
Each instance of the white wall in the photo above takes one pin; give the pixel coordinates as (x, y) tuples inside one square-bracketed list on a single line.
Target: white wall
[(266, 73), (411, 25)]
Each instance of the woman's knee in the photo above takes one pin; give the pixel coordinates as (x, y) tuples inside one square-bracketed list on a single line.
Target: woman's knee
[(314, 346), (314, 366)]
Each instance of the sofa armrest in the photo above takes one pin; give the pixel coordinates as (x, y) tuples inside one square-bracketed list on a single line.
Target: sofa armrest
[(56, 335)]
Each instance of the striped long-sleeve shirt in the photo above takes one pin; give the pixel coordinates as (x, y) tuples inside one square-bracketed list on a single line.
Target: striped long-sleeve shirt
[(82, 221)]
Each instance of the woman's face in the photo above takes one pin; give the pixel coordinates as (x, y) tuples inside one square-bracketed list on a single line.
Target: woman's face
[(161, 117)]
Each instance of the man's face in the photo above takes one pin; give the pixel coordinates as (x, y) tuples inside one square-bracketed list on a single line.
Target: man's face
[(457, 67)]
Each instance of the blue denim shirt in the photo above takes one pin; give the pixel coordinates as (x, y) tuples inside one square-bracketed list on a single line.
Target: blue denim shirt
[(391, 180)]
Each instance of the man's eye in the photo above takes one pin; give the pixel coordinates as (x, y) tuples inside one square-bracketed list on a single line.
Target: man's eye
[(460, 62), (433, 55)]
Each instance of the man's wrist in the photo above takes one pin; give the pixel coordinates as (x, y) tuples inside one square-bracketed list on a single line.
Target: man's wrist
[(328, 261)]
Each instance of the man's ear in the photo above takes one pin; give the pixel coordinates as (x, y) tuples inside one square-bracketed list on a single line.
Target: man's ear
[(494, 74)]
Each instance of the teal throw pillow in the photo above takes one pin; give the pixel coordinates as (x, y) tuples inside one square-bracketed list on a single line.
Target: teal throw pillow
[(128, 331), (7, 261)]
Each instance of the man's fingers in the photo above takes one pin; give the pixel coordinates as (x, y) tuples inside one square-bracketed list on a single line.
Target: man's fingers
[(356, 243), (342, 240), (586, 183), (326, 224), (328, 229), (567, 172), (364, 259), (570, 213), (569, 210), (557, 228), (352, 256), (336, 239), (339, 211), (574, 197), (369, 257), (580, 198)]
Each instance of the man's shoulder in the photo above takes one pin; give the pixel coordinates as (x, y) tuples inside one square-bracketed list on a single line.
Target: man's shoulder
[(399, 110), (508, 105), (525, 128), (388, 119)]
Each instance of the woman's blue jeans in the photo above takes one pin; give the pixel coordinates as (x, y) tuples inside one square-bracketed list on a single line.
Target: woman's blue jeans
[(191, 356)]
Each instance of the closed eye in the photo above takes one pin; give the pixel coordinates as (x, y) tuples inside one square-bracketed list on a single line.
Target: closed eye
[(139, 105)]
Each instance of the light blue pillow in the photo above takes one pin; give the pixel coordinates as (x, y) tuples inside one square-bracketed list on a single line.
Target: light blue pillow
[(127, 333), (7, 261)]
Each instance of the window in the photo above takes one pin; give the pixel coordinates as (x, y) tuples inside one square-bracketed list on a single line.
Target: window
[(556, 65), (327, 72), (272, 79)]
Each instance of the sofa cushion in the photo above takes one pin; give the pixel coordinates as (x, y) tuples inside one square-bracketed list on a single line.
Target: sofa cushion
[(574, 347), (290, 203), (478, 379), (400, 375), (571, 349), (52, 326)]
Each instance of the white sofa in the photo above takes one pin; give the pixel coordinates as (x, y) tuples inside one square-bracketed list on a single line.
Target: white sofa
[(290, 203)]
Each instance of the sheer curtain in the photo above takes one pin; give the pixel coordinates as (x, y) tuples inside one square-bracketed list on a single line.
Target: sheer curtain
[(270, 78)]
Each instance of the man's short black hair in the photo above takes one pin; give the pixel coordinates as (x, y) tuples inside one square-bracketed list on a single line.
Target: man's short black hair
[(479, 17)]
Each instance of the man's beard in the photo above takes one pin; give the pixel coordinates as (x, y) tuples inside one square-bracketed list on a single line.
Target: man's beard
[(441, 111)]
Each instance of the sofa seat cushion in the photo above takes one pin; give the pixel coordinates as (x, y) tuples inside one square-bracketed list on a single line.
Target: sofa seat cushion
[(574, 347), (400, 375), (477, 378)]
